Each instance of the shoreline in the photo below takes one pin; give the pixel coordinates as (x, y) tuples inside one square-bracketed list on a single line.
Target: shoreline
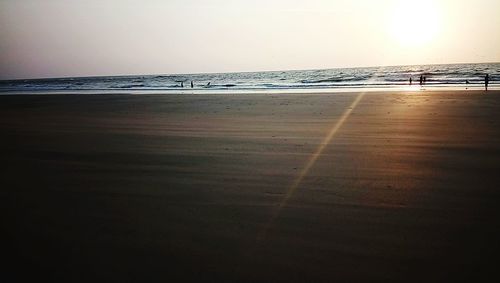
[(415, 89)]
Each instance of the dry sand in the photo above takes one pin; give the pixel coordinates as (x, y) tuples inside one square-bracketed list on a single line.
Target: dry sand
[(253, 187)]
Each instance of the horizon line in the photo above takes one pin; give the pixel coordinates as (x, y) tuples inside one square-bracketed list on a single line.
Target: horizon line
[(236, 72)]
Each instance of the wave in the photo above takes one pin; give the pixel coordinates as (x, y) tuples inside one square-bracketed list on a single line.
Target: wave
[(130, 86), (335, 80), (323, 78)]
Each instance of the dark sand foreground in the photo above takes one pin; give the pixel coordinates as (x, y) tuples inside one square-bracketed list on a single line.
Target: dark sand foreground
[(116, 188)]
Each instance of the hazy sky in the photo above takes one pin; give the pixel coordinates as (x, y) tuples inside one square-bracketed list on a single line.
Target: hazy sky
[(54, 38)]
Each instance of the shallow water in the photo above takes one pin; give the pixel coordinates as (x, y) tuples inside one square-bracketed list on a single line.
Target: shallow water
[(396, 77)]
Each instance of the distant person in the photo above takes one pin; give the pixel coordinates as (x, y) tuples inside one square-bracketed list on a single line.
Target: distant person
[(421, 79), (486, 81), (192, 85), (182, 84), (410, 80)]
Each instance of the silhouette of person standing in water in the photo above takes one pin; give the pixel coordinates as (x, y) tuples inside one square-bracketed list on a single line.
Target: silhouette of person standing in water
[(486, 81), (192, 85), (410, 80), (421, 79), (182, 84)]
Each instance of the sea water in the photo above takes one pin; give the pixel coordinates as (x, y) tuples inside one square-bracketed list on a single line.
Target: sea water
[(456, 76)]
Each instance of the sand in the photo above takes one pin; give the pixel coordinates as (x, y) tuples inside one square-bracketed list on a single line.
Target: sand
[(401, 186)]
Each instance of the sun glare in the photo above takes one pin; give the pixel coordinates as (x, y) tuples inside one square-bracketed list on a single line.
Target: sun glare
[(415, 23)]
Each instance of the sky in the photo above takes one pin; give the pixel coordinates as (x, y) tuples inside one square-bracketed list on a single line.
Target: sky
[(64, 38)]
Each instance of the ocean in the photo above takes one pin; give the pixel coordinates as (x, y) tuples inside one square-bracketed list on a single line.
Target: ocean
[(458, 76)]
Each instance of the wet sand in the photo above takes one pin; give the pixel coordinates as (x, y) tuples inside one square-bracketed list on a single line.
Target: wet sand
[(400, 186)]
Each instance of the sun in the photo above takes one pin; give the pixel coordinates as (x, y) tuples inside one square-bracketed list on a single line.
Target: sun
[(415, 23)]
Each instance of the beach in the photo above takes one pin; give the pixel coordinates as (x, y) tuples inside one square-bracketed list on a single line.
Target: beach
[(315, 187)]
